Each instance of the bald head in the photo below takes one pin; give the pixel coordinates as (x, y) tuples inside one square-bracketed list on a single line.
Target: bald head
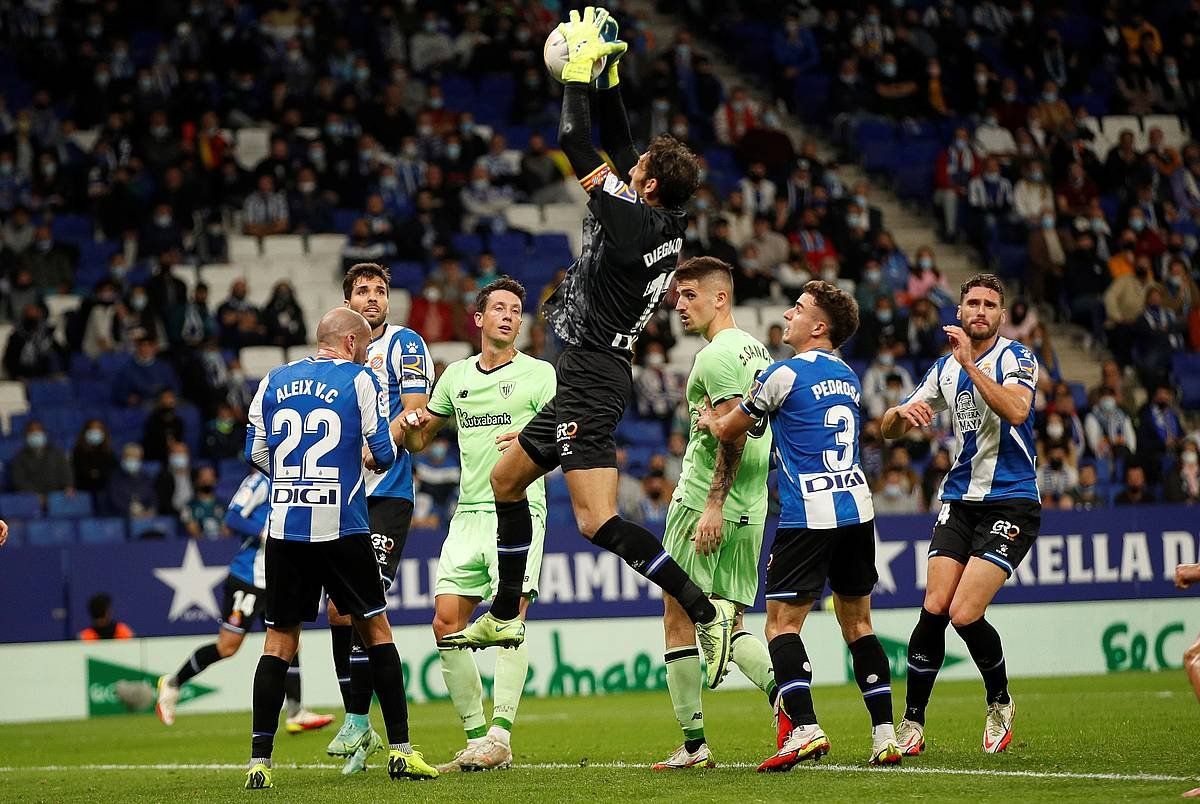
[(344, 332)]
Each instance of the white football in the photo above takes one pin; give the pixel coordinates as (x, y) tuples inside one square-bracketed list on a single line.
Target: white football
[(555, 55)]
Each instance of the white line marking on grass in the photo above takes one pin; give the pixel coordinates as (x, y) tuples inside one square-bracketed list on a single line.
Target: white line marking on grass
[(834, 768)]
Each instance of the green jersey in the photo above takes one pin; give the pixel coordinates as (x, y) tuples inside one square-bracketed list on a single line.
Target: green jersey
[(724, 369), (487, 404)]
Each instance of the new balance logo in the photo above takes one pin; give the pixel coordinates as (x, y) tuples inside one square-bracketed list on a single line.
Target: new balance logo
[(698, 716), (462, 394)]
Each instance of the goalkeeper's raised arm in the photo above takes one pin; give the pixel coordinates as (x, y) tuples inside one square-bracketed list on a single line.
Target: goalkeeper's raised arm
[(586, 44)]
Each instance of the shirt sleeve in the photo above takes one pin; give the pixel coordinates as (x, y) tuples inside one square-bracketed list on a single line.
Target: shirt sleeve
[(257, 453), (928, 390), (720, 373), (548, 388), (1019, 366), (413, 364), (769, 391), (621, 213), (373, 410), (441, 401)]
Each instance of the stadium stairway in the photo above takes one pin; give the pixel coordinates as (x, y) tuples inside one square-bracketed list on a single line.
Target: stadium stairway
[(911, 228)]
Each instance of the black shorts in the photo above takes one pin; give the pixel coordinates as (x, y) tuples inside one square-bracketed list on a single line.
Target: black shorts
[(389, 518), (1001, 532), (244, 603), (345, 567), (575, 429), (802, 559)]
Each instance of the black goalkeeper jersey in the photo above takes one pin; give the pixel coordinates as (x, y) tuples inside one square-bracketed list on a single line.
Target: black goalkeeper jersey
[(630, 250)]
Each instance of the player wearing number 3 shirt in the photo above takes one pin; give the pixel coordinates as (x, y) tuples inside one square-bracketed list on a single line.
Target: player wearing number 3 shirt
[(826, 525), (632, 235)]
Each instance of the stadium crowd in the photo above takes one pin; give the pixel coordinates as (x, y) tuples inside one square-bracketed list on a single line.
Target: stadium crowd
[(119, 170)]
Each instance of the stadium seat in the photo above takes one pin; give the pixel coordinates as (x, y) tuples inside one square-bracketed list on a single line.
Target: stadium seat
[(232, 467), (253, 145), (1171, 126), (12, 402), (408, 275), (155, 527), (20, 505), (60, 505), (258, 360), (101, 530), (289, 246), (49, 392), (50, 532), (326, 245), (58, 305), (1114, 124), (449, 351), (243, 247), (294, 353), (466, 243)]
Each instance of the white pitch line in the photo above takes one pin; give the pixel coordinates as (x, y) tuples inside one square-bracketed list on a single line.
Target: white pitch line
[(834, 768)]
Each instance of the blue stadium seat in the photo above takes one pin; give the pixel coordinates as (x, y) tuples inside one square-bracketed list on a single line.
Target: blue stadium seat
[(153, 528), (555, 245), (508, 244), (72, 228), (49, 392), (466, 243), (227, 487), (408, 275), (109, 363), (20, 505), (1189, 387), (1079, 394), (60, 505), (50, 532), (102, 530), (82, 367), (125, 420), (232, 468), (343, 220)]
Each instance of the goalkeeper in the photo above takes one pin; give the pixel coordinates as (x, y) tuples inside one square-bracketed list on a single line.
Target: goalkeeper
[(632, 235)]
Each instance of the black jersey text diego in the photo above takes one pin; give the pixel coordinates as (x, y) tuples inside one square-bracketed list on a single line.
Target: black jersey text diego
[(630, 250)]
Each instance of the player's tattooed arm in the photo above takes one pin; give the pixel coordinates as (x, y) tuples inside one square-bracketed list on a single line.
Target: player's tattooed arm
[(726, 424)]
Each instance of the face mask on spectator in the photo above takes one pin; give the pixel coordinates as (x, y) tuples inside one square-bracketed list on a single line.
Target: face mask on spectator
[(94, 436), (1137, 224), (1054, 430), (655, 359), (1050, 97), (138, 303), (36, 440), (830, 275), (308, 187), (1108, 404), (1047, 221), (432, 294), (132, 466), (892, 491), (888, 69), (178, 461), (925, 263), (873, 275), (884, 316), (410, 151), (425, 130), (680, 131), (437, 451), (479, 185), (453, 151), (1009, 96), (162, 221), (1188, 458), (362, 73)]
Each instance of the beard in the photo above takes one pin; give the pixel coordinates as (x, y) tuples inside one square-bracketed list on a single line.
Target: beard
[(977, 335)]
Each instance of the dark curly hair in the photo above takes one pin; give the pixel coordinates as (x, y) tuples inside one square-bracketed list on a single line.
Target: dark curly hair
[(839, 308)]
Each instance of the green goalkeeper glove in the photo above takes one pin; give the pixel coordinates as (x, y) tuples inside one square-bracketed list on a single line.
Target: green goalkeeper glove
[(608, 31), (585, 44)]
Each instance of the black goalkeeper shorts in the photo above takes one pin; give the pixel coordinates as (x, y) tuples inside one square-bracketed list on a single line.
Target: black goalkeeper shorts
[(575, 429)]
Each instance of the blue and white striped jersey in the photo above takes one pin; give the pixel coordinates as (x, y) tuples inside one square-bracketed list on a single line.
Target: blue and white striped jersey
[(308, 421), (247, 517), (813, 403), (401, 362), (994, 460)]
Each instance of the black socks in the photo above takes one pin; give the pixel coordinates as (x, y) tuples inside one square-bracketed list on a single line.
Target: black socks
[(342, 636), (514, 533), (387, 677), (793, 674), (926, 652), (638, 548), (874, 677), (268, 700), (202, 658), (983, 642)]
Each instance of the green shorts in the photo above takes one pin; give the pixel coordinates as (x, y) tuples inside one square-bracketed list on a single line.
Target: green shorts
[(732, 571), (467, 566)]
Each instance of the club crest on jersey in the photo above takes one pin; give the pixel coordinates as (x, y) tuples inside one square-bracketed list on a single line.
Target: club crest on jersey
[(969, 417), (506, 389), (376, 362)]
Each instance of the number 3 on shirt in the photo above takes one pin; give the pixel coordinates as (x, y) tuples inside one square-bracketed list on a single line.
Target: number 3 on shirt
[(287, 419), (842, 458)]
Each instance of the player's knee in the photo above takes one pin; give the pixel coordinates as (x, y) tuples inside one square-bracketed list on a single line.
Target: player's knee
[(937, 604), (963, 614), (443, 626), (227, 649), (854, 630), (1191, 657), (505, 487)]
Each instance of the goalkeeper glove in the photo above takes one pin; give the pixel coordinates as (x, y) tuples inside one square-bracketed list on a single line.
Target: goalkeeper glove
[(608, 31), (585, 44)]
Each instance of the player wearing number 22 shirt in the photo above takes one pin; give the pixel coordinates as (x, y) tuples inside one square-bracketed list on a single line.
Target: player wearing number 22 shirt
[(308, 423)]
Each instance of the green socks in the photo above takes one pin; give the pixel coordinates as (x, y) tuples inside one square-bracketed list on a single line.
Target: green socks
[(684, 681), (752, 658), (512, 668), (466, 689)]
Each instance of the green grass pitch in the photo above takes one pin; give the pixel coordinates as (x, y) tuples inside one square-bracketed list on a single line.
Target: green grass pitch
[(1101, 738)]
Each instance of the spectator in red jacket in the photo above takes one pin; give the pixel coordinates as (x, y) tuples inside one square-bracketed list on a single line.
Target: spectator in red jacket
[(956, 165)]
